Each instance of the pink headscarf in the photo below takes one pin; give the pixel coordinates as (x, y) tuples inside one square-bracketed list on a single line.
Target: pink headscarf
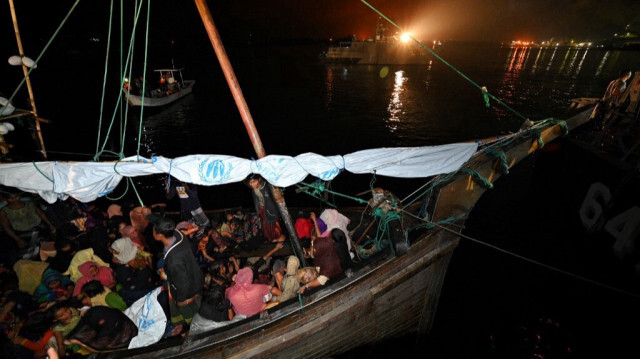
[(104, 275), (246, 297), (114, 210)]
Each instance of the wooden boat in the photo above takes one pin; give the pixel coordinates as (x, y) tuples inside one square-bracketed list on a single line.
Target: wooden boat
[(173, 87), (395, 291)]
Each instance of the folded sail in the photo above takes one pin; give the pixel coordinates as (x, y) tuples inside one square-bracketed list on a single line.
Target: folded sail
[(86, 181)]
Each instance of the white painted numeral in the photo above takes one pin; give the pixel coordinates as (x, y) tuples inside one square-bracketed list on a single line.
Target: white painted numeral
[(625, 228), (598, 196)]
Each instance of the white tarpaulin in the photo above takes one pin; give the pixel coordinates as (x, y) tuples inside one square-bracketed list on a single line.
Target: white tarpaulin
[(87, 181)]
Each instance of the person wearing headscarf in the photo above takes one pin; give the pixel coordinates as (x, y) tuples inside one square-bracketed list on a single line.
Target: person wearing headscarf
[(133, 270), (54, 286), (92, 271), (247, 298), (288, 283), (114, 210)]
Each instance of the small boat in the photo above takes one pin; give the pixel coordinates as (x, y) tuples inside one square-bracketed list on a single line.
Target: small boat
[(172, 87)]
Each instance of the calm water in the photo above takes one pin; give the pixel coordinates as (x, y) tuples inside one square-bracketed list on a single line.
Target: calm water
[(492, 305)]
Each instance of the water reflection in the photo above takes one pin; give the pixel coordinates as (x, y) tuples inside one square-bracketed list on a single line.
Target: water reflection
[(395, 107), (329, 86), (603, 62)]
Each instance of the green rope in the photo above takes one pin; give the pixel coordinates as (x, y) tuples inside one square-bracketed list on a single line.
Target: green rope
[(24, 79), (104, 80), (475, 175), (485, 93), (136, 191), (144, 75), (127, 63), (42, 173), (501, 156), (320, 188)]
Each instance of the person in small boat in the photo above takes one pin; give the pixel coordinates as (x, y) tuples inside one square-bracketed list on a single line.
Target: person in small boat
[(190, 207), (54, 287), (247, 298), (65, 318), (133, 270), (94, 293), (214, 304), (93, 271), (22, 220), (611, 98), (266, 208), (325, 258), (287, 282), (262, 262), (102, 328), (183, 275), (34, 336)]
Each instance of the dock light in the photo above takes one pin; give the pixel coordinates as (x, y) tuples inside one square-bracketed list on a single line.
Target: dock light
[(405, 37)]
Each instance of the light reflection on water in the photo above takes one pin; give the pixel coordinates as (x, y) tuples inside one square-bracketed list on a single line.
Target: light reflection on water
[(353, 107)]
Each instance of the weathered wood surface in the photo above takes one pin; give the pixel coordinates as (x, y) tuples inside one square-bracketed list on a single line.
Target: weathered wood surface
[(390, 296)]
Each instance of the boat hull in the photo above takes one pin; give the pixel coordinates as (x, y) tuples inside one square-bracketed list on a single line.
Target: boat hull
[(135, 100), (388, 297)]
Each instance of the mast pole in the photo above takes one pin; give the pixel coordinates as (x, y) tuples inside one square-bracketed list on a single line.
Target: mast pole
[(247, 119), (25, 70)]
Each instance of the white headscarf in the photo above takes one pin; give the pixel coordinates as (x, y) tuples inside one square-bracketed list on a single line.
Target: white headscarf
[(125, 248)]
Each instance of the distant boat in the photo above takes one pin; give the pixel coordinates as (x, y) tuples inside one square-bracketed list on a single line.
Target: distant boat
[(383, 50), (172, 87)]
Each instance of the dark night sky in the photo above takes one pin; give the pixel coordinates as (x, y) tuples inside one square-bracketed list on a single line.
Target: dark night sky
[(486, 20)]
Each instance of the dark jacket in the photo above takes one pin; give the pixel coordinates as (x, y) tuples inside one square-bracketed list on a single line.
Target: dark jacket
[(183, 273), (270, 207)]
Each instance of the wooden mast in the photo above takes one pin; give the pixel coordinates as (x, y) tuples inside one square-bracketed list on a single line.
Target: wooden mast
[(234, 85), (25, 70)]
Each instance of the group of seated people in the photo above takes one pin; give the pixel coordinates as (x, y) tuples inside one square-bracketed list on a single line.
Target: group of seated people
[(93, 263)]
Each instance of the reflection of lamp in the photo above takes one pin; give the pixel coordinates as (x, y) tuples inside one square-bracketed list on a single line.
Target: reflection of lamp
[(16, 60)]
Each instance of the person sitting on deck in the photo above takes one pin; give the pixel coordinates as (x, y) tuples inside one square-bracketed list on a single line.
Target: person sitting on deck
[(65, 318), (325, 258), (102, 329), (54, 287), (22, 220), (133, 270), (247, 298), (93, 271), (94, 294), (287, 283)]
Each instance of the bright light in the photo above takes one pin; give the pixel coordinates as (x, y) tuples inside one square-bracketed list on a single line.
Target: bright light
[(405, 37)]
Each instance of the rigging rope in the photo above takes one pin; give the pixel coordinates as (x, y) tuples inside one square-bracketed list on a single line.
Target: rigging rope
[(104, 80), (486, 94), (24, 79)]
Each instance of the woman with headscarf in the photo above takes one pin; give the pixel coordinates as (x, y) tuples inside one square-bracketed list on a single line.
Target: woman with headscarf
[(132, 267), (288, 283), (54, 286), (247, 298), (266, 208), (91, 270)]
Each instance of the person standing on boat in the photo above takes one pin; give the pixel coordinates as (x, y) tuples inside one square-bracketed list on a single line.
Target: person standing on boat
[(183, 275), (611, 98), (189, 203), (266, 208)]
